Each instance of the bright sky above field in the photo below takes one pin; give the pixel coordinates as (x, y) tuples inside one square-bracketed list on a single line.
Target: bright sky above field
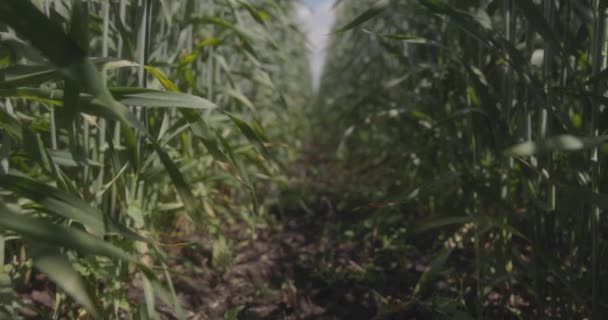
[(317, 17)]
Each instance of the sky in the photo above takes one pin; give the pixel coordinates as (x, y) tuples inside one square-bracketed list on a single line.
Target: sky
[(316, 17)]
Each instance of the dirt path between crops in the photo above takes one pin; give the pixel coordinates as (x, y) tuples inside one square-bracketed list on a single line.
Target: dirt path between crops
[(279, 275), (300, 266)]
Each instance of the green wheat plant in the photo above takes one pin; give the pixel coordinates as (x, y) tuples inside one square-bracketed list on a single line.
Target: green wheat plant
[(485, 116), (120, 116)]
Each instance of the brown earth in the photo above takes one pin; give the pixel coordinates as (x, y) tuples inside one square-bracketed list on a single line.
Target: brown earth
[(282, 274)]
